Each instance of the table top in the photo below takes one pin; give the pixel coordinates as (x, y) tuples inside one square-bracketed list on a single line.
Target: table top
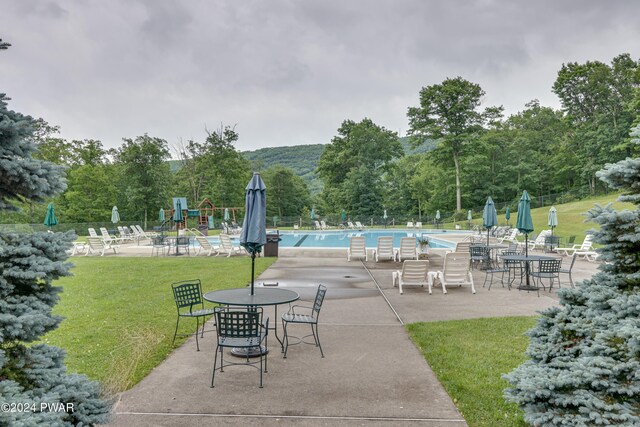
[(527, 258), (490, 246), (260, 297)]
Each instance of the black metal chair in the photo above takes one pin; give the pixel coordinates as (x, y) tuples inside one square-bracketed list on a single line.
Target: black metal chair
[(548, 269), (184, 243), (568, 270), (310, 318), (480, 254), (158, 244), (240, 329), (492, 270), (189, 303)]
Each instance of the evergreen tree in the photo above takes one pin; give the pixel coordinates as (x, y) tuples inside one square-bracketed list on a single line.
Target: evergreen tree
[(34, 374), (584, 366)]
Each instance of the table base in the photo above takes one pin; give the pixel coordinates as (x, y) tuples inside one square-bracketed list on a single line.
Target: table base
[(249, 352)]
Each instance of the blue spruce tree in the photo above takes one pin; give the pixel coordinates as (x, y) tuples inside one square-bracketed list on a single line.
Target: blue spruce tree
[(33, 376), (584, 367)]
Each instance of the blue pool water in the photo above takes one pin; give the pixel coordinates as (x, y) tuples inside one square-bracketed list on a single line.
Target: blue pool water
[(340, 239)]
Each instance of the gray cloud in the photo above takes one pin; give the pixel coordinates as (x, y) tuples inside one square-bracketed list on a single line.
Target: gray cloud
[(286, 72)]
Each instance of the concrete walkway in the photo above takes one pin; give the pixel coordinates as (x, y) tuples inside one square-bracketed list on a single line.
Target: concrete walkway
[(371, 372)]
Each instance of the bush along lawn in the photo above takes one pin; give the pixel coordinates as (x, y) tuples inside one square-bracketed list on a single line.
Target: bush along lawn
[(469, 357), (120, 315)]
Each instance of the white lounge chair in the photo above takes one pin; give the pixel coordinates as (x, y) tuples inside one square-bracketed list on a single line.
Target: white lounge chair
[(316, 225), (357, 248), (585, 246), (205, 245), (144, 234), (409, 224), (296, 227), (384, 249), (456, 271), (418, 224), (107, 237), (540, 240), (413, 273), (97, 244), (323, 225), (227, 247), (510, 237), (408, 249), (350, 225), (359, 225), (92, 232)]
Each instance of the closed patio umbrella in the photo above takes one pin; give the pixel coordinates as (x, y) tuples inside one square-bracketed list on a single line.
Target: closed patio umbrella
[(115, 215), (178, 217), (507, 215), (384, 216), (552, 219), (343, 215), (524, 224), (254, 227), (226, 214), (489, 216), (50, 219), (161, 215), (469, 217), (437, 218)]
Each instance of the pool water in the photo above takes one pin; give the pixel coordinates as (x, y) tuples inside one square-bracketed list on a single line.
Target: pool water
[(340, 239)]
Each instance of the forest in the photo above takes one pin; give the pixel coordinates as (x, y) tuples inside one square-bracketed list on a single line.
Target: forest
[(456, 153)]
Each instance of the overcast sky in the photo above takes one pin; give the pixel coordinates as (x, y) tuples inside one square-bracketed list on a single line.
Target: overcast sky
[(286, 72)]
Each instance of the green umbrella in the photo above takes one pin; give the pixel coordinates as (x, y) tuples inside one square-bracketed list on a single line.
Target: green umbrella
[(226, 214), (50, 220), (254, 228), (161, 215), (552, 220), (438, 215), (343, 215), (178, 217), (489, 216), (507, 215), (469, 215), (115, 215), (524, 223), (313, 214)]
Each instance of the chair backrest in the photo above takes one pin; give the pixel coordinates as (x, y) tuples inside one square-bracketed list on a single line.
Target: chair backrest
[(587, 243), (323, 224), (92, 232), (359, 224), (414, 271), (182, 241), (239, 323), (513, 247), (478, 251), (418, 224), (317, 302), (571, 240), (573, 261), (187, 293), (158, 241), (357, 245), (296, 227), (549, 265), (317, 224), (225, 242), (541, 237), (385, 245), (463, 246), (204, 242), (104, 232), (95, 242), (409, 224), (456, 266), (350, 224), (408, 246), (510, 262)]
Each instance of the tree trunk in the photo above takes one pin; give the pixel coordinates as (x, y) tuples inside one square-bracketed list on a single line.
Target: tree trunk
[(456, 162)]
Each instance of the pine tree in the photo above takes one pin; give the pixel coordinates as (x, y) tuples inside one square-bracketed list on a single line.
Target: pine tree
[(33, 374), (584, 367)]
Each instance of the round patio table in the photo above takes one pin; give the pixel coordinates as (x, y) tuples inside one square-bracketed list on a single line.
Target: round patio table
[(261, 297), (527, 259)]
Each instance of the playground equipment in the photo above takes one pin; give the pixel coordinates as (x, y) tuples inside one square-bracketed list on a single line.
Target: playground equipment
[(205, 213)]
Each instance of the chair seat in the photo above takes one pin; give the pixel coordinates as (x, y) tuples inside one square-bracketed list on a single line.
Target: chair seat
[(298, 318), (199, 313), (240, 342), (497, 270), (545, 275)]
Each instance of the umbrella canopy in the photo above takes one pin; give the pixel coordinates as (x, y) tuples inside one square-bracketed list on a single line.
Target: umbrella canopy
[(552, 219), (161, 215), (226, 214), (343, 215), (469, 215), (254, 228), (524, 223), (385, 214), (50, 220), (489, 216), (177, 214), (313, 214), (115, 215), (438, 215), (507, 214)]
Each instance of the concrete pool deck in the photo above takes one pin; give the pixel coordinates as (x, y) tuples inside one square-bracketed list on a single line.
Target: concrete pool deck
[(372, 373)]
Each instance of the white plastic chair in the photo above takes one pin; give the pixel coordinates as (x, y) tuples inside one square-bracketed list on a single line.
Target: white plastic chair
[(413, 273), (357, 248), (408, 249), (456, 271), (384, 249), (205, 245)]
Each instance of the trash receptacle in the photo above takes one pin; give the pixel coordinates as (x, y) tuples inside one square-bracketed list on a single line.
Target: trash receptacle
[(204, 229), (271, 248)]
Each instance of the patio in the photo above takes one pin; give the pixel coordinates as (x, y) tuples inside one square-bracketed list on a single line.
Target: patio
[(372, 371)]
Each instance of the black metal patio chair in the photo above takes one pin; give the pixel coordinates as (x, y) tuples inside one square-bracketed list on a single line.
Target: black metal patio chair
[(548, 269), (187, 295), (480, 255), (568, 271), (310, 317), (240, 329)]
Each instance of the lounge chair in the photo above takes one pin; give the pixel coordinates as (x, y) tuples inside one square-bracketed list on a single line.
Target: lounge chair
[(418, 224), (107, 237), (144, 234), (456, 271), (92, 232), (296, 227), (226, 247), (413, 273), (350, 225), (205, 245), (510, 237), (409, 224), (97, 244), (586, 246), (408, 249), (539, 242), (384, 249), (323, 225), (357, 248), (463, 247), (359, 225)]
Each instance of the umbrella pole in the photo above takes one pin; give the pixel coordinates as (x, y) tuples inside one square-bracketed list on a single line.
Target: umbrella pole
[(177, 237), (253, 262), (526, 254)]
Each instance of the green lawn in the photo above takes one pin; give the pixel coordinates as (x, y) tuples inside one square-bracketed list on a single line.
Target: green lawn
[(469, 357), (120, 314)]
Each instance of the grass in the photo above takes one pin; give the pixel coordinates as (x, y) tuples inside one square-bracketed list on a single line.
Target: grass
[(469, 357), (120, 315)]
